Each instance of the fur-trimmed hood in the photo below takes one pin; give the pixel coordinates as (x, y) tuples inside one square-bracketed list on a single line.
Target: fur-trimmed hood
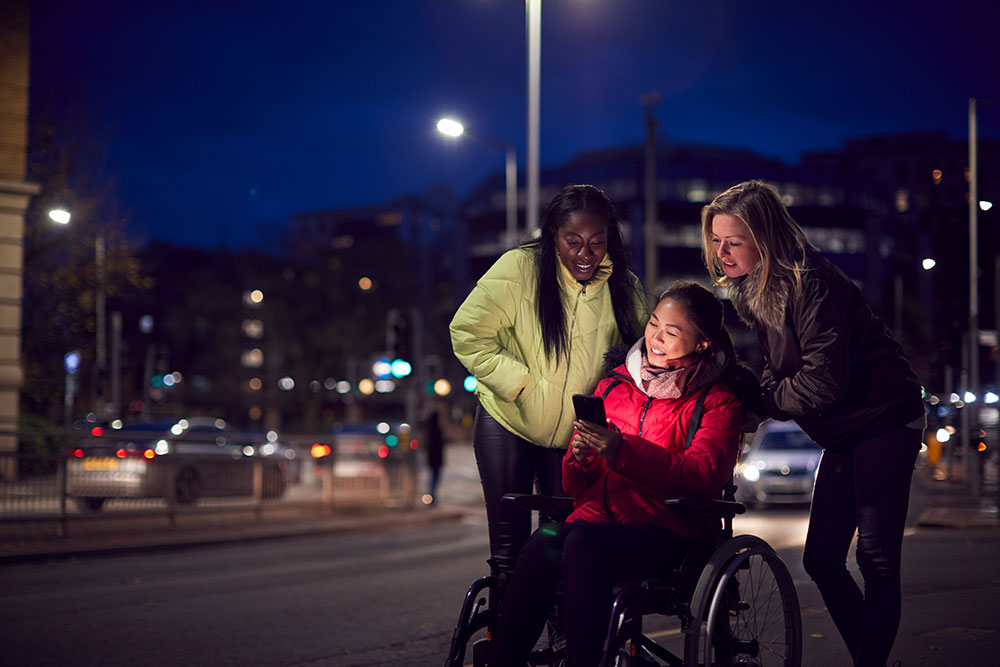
[(766, 308)]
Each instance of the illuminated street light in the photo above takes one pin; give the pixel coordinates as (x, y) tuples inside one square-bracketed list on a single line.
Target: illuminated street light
[(453, 128), (62, 216), (928, 263), (450, 127), (985, 205)]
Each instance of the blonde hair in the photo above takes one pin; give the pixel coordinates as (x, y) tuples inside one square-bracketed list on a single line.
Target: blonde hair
[(780, 241)]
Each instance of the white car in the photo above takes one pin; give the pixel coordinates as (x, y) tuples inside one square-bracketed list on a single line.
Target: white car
[(779, 466)]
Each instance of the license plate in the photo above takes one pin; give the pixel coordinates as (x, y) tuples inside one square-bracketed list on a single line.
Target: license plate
[(100, 463)]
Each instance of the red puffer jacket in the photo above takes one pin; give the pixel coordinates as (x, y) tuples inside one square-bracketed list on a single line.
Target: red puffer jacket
[(652, 464)]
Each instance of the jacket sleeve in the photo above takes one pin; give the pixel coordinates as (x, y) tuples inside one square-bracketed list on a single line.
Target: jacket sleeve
[(822, 328), (702, 469), (475, 330), (577, 476)]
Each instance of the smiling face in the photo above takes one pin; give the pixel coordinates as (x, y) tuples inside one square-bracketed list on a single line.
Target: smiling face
[(670, 334), (582, 243), (734, 245)]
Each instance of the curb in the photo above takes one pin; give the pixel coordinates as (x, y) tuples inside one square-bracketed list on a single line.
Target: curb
[(959, 517), (186, 539)]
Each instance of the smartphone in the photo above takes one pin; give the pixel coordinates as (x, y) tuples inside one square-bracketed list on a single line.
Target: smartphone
[(590, 408)]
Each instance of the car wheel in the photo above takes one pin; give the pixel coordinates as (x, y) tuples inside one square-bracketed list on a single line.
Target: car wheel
[(90, 503), (188, 486)]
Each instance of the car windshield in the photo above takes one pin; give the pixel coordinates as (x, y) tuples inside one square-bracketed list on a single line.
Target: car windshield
[(787, 440)]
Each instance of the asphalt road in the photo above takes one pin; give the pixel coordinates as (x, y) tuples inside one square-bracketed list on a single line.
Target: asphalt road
[(359, 599), (392, 597)]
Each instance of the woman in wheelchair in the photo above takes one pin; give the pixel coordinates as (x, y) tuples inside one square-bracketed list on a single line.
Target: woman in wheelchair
[(620, 473)]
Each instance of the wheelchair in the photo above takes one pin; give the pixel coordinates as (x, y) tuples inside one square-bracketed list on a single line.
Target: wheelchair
[(733, 596)]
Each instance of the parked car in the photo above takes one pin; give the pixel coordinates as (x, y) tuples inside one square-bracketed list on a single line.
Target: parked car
[(363, 449), (185, 459), (779, 466)]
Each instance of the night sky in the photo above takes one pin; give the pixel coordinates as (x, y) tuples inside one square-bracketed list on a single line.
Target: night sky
[(221, 116)]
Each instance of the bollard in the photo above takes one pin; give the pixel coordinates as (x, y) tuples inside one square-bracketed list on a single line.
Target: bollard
[(61, 471), (326, 477), (258, 488), (170, 492)]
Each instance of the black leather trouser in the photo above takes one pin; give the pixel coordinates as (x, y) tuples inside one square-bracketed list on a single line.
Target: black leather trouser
[(509, 464), (864, 490)]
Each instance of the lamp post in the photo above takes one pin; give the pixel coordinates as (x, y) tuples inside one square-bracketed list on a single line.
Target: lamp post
[(970, 425), (453, 128), (533, 27), (62, 216)]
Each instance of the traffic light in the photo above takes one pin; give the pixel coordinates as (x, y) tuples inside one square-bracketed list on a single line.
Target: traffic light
[(399, 335)]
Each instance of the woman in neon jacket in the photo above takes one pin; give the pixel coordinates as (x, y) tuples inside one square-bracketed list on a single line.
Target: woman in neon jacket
[(832, 366), (533, 332), (620, 476)]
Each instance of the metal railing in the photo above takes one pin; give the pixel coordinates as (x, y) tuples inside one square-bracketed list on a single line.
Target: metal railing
[(64, 480)]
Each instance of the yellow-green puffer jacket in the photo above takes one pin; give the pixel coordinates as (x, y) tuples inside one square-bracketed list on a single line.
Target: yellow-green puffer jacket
[(498, 338)]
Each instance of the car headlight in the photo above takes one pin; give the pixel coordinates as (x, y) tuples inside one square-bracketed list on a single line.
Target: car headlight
[(751, 473)]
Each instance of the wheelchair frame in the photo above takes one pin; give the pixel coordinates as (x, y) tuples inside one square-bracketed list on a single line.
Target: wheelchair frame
[(726, 617)]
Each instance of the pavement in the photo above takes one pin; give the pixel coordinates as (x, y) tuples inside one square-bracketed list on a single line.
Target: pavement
[(935, 504)]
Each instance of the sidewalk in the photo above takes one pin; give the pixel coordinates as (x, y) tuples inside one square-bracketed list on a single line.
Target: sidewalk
[(936, 504), (459, 494), (949, 503)]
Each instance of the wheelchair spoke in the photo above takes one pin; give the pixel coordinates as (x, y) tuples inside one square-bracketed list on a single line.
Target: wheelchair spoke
[(752, 618)]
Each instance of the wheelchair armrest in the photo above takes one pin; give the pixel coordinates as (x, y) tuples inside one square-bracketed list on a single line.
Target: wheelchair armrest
[(553, 506), (723, 508)]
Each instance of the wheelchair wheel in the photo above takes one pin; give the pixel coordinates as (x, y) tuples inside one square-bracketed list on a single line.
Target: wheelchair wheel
[(745, 610), (478, 612)]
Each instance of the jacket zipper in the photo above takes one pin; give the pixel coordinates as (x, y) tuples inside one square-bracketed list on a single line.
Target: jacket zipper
[(569, 354), (607, 475), (649, 399)]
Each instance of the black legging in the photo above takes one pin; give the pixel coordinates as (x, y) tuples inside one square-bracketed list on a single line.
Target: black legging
[(589, 558), (865, 490), (508, 464)]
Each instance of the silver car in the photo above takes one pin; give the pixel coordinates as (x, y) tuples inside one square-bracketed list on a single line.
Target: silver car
[(779, 466), (183, 460)]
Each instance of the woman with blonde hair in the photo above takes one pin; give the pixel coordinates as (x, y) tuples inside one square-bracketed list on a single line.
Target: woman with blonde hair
[(832, 366)]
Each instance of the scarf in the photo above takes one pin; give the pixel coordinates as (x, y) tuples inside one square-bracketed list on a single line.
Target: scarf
[(682, 376)]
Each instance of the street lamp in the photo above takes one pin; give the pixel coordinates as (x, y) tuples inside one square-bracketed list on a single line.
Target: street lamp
[(59, 216), (62, 217), (533, 27), (453, 128)]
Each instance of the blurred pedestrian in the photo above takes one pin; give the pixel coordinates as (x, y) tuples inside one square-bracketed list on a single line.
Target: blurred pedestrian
[(434, 441), (832, 366), (533, 332)]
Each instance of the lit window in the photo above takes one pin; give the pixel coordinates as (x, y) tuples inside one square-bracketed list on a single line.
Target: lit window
[(902, 200), (253, 328)]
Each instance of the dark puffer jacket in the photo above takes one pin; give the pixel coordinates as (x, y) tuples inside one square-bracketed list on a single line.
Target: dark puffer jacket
[(652, 464), (833, 367)]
